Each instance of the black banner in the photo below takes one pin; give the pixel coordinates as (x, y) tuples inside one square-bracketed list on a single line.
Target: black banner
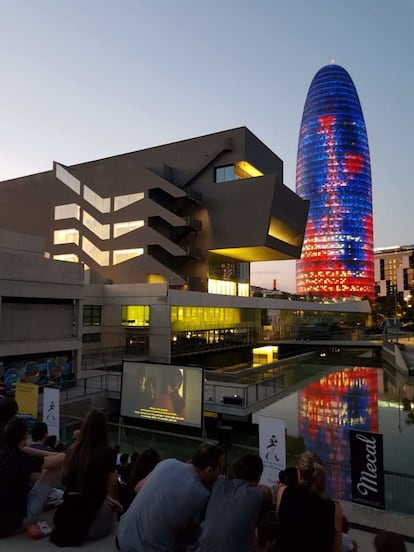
[(367, 468)]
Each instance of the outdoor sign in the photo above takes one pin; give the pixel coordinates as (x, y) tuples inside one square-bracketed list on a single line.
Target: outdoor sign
[(367, 468), (51, 413), (272, 447), (27, 396)]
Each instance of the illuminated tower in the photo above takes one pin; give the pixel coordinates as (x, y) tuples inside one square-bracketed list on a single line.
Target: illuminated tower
[(334, 173)]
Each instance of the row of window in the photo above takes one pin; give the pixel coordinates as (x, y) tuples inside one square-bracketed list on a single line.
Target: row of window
[(102, 258), (102, 231), (102, 204)]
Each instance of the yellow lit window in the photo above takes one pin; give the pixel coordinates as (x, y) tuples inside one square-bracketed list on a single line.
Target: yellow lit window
[(100, 230), (71, 210), (64, 176), (222, 287), (100, 257), (102, 204), (243, 290), (243, 169), (120, 202), (122, 255), (121, 228), (68, 235), (68, 258), (135, 315)]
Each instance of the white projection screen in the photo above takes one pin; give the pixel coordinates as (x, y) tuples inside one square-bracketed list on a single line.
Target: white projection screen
[(162, 393)]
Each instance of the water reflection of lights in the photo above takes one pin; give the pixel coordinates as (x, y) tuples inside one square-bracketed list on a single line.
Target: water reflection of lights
[(328, 408)]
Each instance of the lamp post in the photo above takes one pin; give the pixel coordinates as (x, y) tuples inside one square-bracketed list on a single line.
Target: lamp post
[(396, 312)]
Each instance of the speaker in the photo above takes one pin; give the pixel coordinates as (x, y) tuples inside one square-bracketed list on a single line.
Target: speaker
[(224, 436), (234, 399)]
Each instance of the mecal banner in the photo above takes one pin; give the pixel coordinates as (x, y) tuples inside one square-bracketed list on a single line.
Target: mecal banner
[(367, 468), (272, 447), (51, 410)]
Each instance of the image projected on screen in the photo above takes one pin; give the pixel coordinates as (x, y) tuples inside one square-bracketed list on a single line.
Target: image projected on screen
[(162, 393)]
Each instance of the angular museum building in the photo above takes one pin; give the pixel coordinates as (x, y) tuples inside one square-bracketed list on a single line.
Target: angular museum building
[(334, 173), (192, 214), (148, 254)]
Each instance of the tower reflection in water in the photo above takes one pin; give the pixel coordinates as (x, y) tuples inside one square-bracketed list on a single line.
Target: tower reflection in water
[(328, 409)]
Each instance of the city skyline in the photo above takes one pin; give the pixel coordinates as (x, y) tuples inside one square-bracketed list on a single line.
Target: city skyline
[(99, 78)]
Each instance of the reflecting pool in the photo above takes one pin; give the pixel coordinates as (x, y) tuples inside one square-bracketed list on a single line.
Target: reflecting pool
[(358, 397)]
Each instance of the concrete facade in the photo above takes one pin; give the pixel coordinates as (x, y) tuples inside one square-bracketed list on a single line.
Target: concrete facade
[(40, 306)]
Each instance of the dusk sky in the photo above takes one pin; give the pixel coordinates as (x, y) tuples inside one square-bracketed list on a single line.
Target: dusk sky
[(86, 79)]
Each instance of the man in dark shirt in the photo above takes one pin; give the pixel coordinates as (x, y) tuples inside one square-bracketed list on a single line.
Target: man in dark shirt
[(235, 508), (19, 502), (39, 436)]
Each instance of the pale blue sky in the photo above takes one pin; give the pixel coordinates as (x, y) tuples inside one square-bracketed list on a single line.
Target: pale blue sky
[(85, 79)]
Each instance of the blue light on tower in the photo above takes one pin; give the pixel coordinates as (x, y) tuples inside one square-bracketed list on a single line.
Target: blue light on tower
[(334, 172)]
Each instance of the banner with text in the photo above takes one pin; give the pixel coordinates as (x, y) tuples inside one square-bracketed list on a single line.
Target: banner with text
[(367, 468), (272, 447), (51, 410)]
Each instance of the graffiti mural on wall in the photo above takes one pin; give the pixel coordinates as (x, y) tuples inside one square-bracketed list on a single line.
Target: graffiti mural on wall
[(42, 369)]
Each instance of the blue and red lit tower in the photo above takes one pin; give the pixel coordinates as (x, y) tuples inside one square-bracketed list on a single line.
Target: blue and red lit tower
[(334, 173)]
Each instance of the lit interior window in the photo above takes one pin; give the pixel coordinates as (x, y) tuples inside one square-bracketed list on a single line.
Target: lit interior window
[(282, 231), (122, 255), (265, 355), (222, 287), (100, 257), (68, 258), (186, 318), (135, 315), (121, 228), (102, 204), (68, 235), (100, 230), (156, 279), (243, 169), (243, 290), (64, 176), (71, 210), (120, 202)]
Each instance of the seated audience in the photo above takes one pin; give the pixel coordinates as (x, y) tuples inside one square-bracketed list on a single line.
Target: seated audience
[(39, 437), (122, 466), (348, 545), (235, 508), (144, 465), (307, 518), (19, 502), (75, 437), (170, 503), (387, 541), (8, 409), (90, 481), (51, 441), (127, 471)]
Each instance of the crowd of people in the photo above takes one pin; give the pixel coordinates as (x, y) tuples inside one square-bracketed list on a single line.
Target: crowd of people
[(163, 505)]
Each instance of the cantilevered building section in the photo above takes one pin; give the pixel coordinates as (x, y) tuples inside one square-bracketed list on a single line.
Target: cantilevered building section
[(192, 214), (334, 173)]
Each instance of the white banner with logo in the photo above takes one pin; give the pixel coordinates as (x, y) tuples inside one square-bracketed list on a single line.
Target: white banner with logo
[(51, 410), (272, 448)]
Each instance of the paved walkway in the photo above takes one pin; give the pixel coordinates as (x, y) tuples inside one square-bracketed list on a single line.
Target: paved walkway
[(368, 521)]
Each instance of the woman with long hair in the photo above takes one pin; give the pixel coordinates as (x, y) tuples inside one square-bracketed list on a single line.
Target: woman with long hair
[(143, 465), (90, 479), (307, 518)]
